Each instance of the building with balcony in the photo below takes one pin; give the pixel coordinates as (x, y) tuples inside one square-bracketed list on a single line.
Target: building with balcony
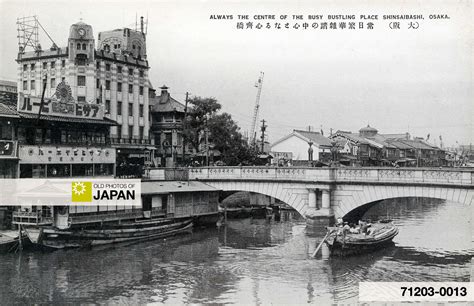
[(167, 127), (107, 83)]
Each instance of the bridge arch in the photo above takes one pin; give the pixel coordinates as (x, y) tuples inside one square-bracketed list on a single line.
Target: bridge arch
[(295, 195), (348, 198)]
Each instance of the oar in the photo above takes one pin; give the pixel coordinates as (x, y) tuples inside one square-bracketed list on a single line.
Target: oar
[(320, 244)]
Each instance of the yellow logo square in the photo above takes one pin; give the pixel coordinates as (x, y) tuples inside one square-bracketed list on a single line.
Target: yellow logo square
[(81, 191)]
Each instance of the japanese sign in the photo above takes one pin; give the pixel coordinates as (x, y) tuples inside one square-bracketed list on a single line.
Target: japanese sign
[(65, 155), (7, 148), (32, 104)]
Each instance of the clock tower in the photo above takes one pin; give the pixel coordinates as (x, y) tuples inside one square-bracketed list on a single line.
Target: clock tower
[(81, 44)]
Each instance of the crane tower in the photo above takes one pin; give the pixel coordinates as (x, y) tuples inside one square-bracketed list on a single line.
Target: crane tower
[(253, 129)]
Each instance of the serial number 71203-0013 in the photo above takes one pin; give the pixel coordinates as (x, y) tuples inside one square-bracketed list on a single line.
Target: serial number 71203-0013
[(430, 291)]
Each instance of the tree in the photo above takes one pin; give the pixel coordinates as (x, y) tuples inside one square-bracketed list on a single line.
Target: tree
[(224, 133)]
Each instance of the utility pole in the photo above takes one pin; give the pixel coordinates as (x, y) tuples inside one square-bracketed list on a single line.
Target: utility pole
[(262, 137), (184, 127)]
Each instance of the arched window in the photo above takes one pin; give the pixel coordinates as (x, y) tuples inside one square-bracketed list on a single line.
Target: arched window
[(78, 46), (83, 46)]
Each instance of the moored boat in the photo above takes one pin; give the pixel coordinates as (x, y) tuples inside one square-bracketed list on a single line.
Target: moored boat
[(380, 236), (54, 238), (10, 242)]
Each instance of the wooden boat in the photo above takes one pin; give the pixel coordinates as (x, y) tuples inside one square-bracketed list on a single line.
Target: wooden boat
[(9, 241), (342, 245), (50, 238)]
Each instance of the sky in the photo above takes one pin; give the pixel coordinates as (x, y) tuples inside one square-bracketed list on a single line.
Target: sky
[(417, 81)]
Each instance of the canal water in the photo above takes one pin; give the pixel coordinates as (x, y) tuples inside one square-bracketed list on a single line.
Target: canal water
[(251, 261)]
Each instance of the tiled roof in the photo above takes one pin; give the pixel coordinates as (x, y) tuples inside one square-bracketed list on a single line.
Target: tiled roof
[(8, 111), (416, 144), (8, 83), (315, 137), (354, 137), (166, 103), (401, 145), (105, 121)]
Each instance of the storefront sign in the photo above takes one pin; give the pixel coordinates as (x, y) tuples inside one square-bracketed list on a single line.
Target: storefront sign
[(32, 104), (282, 155), (7, 148), (29, 154)]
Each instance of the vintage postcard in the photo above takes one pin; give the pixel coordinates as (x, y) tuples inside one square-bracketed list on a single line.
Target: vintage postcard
[(236, 152)]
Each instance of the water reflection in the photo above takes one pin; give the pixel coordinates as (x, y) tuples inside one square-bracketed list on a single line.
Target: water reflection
[(248, 261)]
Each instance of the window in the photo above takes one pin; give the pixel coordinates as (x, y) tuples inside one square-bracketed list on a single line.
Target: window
[(45, 65), (32, 67), (107, 85), (53, 65), (78, 46), (97, 101), (130, 88), (119, 68), (130, 109), (84, 47), (98, 65), (119, 87), (141, 110), (141, 90), (140, 130), (130, 131), (25, 85), (81, 59), (25, 67), (107, 106), (97, 83), (119, 108), (130, 71), (107, 67), (141, 73), (53, 83), (81, 99), (63, 63), (32, 85), (81, 80), (119, 131)]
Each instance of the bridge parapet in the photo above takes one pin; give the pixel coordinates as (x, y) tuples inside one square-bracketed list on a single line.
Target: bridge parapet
[(262, 173), (406, 175), (454, 176)]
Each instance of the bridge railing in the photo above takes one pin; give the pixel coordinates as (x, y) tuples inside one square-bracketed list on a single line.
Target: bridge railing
[(409, 175), (261, 173), (450, 176)]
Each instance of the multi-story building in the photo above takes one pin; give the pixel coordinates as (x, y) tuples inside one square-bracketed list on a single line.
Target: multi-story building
[(63, 129), (167, 128), (373, 149), (110, 82), (8, 92)]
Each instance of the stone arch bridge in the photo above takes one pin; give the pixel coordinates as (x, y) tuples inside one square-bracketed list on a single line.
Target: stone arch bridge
[(325, 193)]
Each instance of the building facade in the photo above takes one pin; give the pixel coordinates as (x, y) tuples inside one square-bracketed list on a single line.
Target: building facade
[(8, 92), (370, 148), (108, 82), (301, 146), (167, 127)]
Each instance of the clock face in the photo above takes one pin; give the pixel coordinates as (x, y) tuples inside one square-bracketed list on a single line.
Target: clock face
[(81, 32)]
